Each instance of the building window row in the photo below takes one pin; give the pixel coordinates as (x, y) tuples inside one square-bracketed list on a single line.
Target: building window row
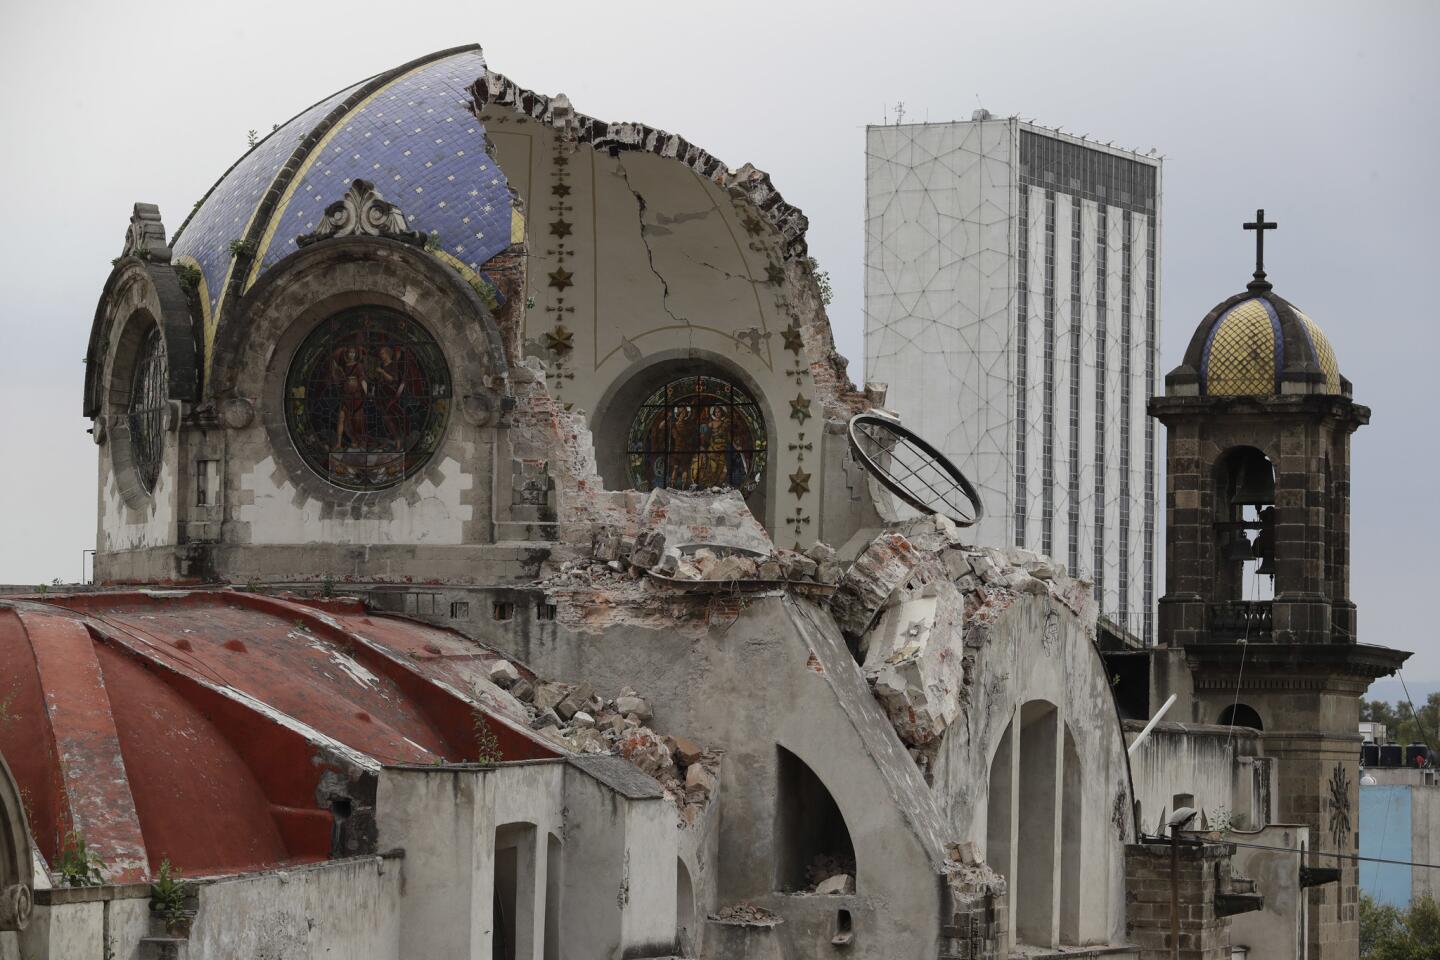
[(1022, 380), (1047, 515), (1102, 270), (1126, 288), (1074, 479)]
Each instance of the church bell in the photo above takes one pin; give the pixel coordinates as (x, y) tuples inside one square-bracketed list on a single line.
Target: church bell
[(1254, 481)]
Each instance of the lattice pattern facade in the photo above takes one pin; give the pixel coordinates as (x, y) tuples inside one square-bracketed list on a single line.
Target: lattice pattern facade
[(1012, 279)]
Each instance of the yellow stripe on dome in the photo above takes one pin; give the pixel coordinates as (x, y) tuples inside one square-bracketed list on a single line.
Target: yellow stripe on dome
[(1324, 353), (315, 153), (1241, 359)]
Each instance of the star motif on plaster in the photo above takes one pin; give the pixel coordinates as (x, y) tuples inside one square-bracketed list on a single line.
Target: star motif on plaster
[(561, 278), (800, 408), (793, 343), (561, 190), (560, 340), (560, 228), (799, 483), (774, 274)]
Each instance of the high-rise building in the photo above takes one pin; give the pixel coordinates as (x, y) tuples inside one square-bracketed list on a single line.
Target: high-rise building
[(1012, 307)]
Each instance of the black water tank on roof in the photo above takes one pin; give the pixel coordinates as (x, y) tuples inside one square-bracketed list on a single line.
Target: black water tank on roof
[(1370, 754), (1413, 752), (1391, 755)]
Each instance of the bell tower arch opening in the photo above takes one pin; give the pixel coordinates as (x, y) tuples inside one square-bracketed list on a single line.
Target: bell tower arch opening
[(1244, 507)]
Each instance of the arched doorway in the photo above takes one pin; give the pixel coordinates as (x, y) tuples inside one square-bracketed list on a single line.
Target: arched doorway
[(685, 932)]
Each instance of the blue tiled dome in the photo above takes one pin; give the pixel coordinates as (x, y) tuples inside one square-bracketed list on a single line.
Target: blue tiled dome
[(410, 131)]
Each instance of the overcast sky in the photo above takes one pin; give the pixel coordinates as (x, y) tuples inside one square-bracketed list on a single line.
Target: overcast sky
[(1326, 114)]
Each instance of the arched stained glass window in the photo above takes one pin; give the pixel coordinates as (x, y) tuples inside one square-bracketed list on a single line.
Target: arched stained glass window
[(366, 398), (145, 412), (697, 432)]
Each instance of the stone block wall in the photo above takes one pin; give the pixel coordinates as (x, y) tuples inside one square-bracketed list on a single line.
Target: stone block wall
[(1203, 934)]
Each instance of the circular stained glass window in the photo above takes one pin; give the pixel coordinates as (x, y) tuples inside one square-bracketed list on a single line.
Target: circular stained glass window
[(145, 412), (695, 433), (366, 398)]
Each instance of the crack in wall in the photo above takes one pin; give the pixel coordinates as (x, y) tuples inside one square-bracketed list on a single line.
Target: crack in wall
[(645, 239)]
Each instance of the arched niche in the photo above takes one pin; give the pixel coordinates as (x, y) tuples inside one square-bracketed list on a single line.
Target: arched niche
[(611, 421), (16, 856), (1241, 715), (810, 829)]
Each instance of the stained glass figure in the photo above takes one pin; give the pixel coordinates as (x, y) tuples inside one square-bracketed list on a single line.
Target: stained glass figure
[(367, 397), (145, 413), (697, 432)]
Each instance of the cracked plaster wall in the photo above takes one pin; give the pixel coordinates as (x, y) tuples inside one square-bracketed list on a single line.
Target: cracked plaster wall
[(640, 257)]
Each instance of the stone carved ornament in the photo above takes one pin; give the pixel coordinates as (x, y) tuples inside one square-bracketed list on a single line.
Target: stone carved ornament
[(362, 212), (16, 876), (145, 237)]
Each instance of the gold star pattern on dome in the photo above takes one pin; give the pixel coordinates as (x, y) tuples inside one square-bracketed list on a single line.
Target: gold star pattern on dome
[(799, 483), (793, 343), (560, 228), (561, 190), (800, 408), (561, 278), (752, 226), (560, 340)]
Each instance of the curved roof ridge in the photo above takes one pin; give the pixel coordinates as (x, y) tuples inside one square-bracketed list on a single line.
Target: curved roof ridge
[(328, 121), (557, 113)]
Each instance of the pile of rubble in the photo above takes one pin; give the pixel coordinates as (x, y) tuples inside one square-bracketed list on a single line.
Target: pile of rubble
[(746, 914), (576, 718), (708, 535), (917, 604), (830, 876)]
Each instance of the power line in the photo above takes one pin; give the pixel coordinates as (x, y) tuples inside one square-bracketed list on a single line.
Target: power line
[(1338, 856)]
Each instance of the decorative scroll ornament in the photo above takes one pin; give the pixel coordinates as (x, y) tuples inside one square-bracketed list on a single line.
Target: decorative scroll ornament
[(146, 236), (1339, 802), (362, 213)]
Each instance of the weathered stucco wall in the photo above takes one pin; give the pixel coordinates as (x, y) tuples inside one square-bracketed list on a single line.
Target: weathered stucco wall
[(1214, 765), (346, 908)]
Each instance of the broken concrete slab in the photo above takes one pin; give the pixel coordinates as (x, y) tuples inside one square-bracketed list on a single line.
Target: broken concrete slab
[(838, 885), (882, 566)]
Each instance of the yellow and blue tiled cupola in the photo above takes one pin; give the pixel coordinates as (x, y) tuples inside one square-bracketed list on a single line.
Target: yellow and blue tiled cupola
[(1257, 343)]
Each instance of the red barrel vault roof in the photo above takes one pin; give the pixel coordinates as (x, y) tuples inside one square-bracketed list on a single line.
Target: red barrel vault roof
[(216, 728)]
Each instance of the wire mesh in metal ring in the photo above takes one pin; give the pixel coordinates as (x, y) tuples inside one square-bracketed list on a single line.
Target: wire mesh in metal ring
[(912, 469)]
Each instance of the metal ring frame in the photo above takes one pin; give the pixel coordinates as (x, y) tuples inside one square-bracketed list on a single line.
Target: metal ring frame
[(923, 466)]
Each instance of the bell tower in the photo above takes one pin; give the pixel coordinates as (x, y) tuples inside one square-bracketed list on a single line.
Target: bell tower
[(1257, 585)]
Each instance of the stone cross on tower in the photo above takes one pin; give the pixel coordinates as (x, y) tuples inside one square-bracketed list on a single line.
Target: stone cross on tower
[(1260, 225)]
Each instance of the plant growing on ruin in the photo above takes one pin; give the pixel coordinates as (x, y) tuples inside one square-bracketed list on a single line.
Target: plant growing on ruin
[(168, 897), (242, 248), (189, 278), (327, 586), (79, 865), (487, 745), (822, 281), (252, 137)]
